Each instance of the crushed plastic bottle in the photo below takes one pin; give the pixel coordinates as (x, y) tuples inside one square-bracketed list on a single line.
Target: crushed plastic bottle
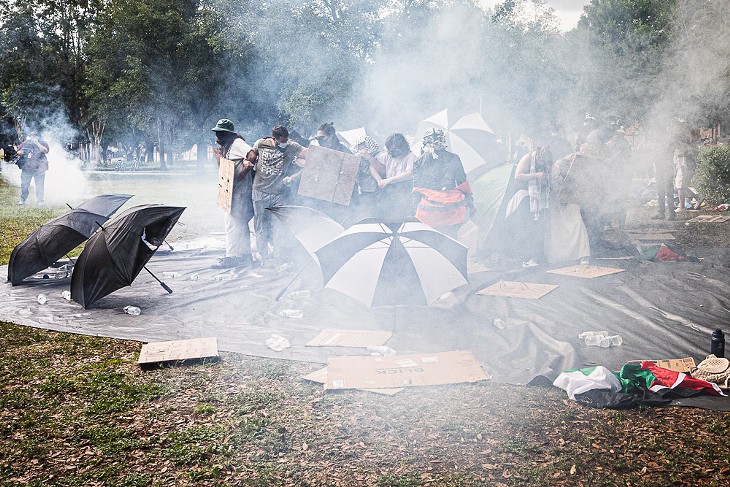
[(601, 339), (66, 295), (194, 276), (291, 313), (277, 343), (41, 299), (302, 293), (170, 275), (381, 350), (132, 310), (499, 323)]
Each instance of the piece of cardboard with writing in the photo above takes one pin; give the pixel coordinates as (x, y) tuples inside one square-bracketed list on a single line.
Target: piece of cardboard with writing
[(516, 289), (675, 364), (320, 377), (329, 175), (368, 372), (178, 351), (226, 173)]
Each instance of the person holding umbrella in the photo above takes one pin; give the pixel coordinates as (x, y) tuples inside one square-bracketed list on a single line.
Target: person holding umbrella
[(232, 146), (33, 167)]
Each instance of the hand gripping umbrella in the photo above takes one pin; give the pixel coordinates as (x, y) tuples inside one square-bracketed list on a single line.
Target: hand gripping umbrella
[(393, 263), (115, 255), (59, 236), (310, 227)]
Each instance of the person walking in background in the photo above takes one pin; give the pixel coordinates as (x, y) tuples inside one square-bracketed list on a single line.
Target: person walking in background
[(232, 146), (275, 173), (33, 164)]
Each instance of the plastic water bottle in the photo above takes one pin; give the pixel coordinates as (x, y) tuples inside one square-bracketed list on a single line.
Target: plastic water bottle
[(132, 310), (499, 323), (717, 347), (195, 276), (41, 299), (616, 340), (302, 293), (291, 313), (66, 295), (277, 343), (593, 340)]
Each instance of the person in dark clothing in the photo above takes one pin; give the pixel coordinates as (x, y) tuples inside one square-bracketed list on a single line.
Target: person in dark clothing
[(443, 195), (327, 137), (33, 165)]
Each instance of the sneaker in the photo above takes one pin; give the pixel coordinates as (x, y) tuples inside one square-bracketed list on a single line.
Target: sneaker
[(230, 262), (21, 203), (530, 263)]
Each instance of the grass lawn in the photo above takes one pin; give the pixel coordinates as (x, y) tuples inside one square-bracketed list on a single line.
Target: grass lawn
[(77, 411)]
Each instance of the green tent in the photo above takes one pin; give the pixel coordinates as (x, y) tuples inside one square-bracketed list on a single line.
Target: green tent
[(492, 188)]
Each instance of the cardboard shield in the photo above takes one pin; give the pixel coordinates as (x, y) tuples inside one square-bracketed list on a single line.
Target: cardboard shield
[(329, 175), (226, 173)]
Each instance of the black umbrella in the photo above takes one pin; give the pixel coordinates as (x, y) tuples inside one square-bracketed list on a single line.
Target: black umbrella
[(59, 236), (393, 263), (114, 256)]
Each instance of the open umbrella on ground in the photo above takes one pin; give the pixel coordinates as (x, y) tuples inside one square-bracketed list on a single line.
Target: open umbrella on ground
[(393, 263), (470, 138), (310, 227), (115, 255), (59, 236)]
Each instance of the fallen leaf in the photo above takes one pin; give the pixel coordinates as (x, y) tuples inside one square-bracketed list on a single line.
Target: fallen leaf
[(572, 470)]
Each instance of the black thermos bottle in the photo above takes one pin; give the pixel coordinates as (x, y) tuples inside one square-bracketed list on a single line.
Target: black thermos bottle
[(718, 344)]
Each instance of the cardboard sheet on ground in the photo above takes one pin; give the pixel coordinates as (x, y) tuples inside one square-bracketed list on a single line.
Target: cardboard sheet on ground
[(361, 372), (226, 173), (676, 364), (709, 219), (320, 377), (329, 175), (585, 271), (512, 289), (178, 351), (350, 338), (651, 236), (659, 311)]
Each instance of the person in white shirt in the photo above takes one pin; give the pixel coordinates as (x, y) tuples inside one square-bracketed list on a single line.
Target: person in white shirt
[(232, 146), (393, 171)]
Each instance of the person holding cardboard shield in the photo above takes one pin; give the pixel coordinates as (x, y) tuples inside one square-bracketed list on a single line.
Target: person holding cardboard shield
[(233, 147)]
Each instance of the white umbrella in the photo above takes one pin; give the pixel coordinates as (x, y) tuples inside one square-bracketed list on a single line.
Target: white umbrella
[(470, 137)]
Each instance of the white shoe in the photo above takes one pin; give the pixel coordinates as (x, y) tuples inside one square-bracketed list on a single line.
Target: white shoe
[(530, 263)]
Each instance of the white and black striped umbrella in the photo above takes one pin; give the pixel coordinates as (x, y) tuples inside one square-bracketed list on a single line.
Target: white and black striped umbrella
[(393, 263)]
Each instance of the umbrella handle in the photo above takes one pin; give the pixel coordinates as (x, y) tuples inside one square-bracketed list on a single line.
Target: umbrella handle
[(281, 293), (166, 287)]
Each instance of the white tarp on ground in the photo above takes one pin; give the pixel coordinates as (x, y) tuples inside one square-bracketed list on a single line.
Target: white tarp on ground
[(661, 310)]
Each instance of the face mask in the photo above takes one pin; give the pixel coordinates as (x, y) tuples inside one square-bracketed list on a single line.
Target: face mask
[(282, 145)]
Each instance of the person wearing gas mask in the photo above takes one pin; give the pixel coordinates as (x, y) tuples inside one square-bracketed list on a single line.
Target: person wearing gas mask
[(393, 171), (232, 146), (276, 170), (33, 164)]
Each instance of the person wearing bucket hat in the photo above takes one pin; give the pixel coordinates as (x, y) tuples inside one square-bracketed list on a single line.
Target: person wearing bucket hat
[(232, 146)]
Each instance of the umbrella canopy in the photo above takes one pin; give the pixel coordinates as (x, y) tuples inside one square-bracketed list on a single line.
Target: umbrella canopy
[(393, 263), (115, 255), (470, 138), (349, 137), (59, 236), (310, 227)]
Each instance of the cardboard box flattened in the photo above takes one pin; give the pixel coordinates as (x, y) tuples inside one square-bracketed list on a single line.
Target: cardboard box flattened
[(329, 175), (178, 351), (226, 173), (368, 372)]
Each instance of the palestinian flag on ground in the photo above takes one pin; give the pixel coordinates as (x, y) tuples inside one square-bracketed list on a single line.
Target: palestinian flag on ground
[(648, 375), (578, 381), (665, 253)]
